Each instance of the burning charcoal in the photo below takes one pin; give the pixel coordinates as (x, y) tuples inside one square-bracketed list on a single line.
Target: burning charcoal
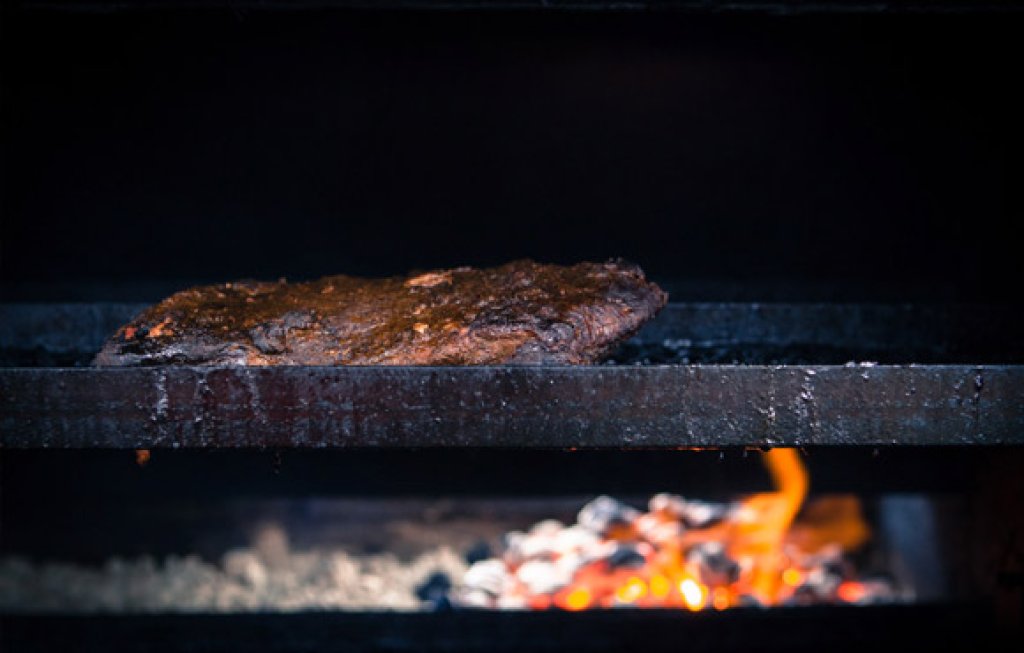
[(541, 577), (570, 563), (716, 568), (490, 576), (700, 514), (479, 551), (695, 514), (575, 539), (511, 603), (537, 547), (837, 567), (802, 596), (671, 504), (826, 571), (547, 528), (625, 556), (822, 582), (471, 598), (434, 591), (876, 590), (545, 541), (604, 515), (659, 527), (512, 542)]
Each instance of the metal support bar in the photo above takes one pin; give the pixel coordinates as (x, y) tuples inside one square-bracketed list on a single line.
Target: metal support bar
[(560, 407)]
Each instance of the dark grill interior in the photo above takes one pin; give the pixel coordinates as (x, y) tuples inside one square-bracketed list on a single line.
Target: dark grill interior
[(853, 156), (824, 189), (211, 502)]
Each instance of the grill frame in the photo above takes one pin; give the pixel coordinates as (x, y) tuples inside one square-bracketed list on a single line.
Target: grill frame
[(560, 407), (952, 402)]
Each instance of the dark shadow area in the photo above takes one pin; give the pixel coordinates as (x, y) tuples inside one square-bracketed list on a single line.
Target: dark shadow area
[(743, 156)]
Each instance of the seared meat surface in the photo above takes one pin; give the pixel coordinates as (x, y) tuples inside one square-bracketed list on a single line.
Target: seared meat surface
[(520, 313)]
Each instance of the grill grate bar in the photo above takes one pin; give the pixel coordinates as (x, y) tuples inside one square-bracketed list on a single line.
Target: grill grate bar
[(558, 407)]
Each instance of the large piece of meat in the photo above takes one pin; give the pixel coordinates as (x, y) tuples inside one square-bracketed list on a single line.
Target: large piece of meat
[(520, 313)]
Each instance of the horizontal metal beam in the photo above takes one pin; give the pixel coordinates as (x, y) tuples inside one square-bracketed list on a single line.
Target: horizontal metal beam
[(559, 407)]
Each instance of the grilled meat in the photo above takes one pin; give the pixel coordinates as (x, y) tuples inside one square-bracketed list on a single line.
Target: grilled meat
[(520, 313)]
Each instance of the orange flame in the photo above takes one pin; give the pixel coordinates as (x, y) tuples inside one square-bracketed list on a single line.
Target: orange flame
[(767, 518), (772, 554), (694, 594), (578, 599)]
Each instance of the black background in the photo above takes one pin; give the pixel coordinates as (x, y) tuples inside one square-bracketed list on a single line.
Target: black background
[(843, 156)]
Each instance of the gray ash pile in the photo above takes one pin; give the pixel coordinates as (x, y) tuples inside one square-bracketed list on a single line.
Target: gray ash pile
[(267, 576)]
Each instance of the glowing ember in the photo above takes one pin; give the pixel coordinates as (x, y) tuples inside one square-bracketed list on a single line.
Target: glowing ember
[(852, 592), (634, 589), (765, 549), (793, 577), (578, 599), (693, 593), (660, 586), (721, 598)]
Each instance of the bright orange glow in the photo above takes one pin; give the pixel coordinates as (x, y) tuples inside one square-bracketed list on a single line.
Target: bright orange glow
[(695, 555), (720, 598), (851, 591), (767, 518), (578, 599), (660, 586), (539, 602), (693, 593), (792, 577), (830, 520), (633, 590)]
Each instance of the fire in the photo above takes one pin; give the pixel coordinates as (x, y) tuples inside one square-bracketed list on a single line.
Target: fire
[(765, 521), (765, 549), (721, 599), (578, 599), (793, 577), (634, 589), (693, 593), (660, 586), (852, 592)]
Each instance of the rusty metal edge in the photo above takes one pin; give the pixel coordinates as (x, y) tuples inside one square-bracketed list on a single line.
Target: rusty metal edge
[(536, 407)]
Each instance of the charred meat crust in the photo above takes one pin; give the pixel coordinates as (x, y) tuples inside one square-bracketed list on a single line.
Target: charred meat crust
[(519, 313)]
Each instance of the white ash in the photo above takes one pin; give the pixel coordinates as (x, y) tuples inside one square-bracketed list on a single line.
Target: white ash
[(245, 580), (604, 512), (542, 577), (694, 514), (488, 576)]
